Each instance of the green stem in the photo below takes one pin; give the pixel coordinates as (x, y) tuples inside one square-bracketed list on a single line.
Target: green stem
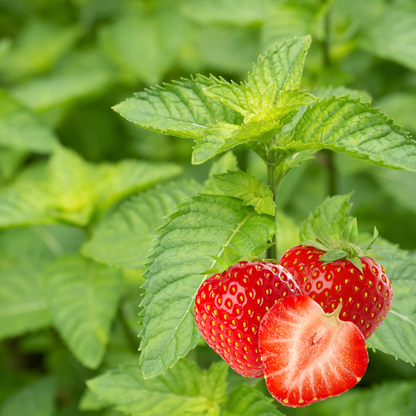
[(273, 181)]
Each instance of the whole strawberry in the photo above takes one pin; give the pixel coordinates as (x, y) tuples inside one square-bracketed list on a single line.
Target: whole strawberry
[(334, 272), (230, 305)]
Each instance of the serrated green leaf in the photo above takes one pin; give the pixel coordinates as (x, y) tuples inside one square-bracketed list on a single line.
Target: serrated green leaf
[(397, 333), (231, 256), (83, 297), (334, 213), (180, 109), (248, 401), (125, 237), (215, 382), (283, 65), (218, 138), (36, 399), (204, 225), (21, 129), (345, 125), (182, 390), (90, 402), (23, 304), (70, 189), (226, 162), (244, 186)]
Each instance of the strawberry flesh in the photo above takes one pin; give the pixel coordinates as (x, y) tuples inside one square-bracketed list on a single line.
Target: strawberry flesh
[(230, 305), (308, 355)]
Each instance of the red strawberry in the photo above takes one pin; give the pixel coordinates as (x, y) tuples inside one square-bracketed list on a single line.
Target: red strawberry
[(309, 355), (230, 305), (332, 276)]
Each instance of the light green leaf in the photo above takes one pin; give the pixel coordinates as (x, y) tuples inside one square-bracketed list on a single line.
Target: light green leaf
[(328, 92), (81, 75), (146, 43), (10, 161), (70, 189), (218, 138), (248, 401), (36, 399), (23, 305), (180, 109), (83, 297), (90, 402), (345, 125), (41, 242), (203, 226), (397, 334), (21, 129), (391, 36), (182, 390), (37, 48), (333, 212), (214, 382), (226, 162), (244, 186), (125, 237), (282, 65)]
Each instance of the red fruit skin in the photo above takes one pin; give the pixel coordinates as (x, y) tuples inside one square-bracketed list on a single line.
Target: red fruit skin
[(230, 305), (366, 297), (307, 355)]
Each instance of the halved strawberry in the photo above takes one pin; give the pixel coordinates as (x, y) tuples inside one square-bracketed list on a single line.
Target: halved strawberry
[(309, 355)]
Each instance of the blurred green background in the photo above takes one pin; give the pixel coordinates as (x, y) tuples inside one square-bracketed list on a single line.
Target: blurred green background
[(64, 64)]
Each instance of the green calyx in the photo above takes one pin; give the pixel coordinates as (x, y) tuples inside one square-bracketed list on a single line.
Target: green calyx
[(232, 256), (347, 248)]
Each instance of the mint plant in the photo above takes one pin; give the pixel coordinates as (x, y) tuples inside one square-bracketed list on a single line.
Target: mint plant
[(261, 115), (98, 216)]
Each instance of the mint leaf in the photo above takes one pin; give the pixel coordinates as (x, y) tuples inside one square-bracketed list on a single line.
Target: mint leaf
[(226, 162), (180, 109), (345, 125), (397, 333), (248, 401), (69, 189), (125, 237), (83, 297), (333, 212), (218, 138), (244, 186), (203, 226), (85, 74), (37, 48), (21, 129), (36, 399), (391, 36), (182, 390), (282, 65), (23, 304)]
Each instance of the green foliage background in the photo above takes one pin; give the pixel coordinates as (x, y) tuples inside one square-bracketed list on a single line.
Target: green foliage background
[(82, 191)]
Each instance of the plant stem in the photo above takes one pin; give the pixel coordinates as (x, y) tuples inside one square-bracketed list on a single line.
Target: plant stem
[(273, 180)]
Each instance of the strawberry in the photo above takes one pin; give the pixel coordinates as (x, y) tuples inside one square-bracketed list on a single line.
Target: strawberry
[(339, 272), (230, 305), (309, 355)]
